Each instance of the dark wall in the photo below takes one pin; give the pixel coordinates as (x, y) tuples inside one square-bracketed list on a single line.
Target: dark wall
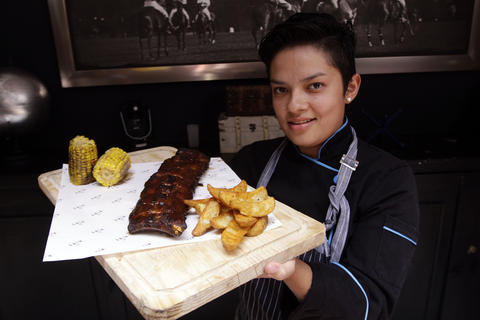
[(423, 114)]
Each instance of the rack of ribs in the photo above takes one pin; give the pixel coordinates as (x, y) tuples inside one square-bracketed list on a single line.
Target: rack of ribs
[(160, 207)]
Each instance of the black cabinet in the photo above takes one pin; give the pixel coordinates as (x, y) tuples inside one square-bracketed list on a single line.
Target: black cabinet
[(462, 283), (444, 279), (32, 289)]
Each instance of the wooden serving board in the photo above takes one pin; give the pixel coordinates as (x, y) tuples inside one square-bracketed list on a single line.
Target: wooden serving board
[(169, 282)]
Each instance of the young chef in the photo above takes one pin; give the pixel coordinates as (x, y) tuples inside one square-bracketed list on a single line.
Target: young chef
[(365, 196)]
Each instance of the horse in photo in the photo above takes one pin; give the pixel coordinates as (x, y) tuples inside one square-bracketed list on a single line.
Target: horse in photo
[(344, 10), (179, 22), (401, 21), (374, 13), (264, 17), (151, 24), (296, 6), (327, 6), (205, 28)]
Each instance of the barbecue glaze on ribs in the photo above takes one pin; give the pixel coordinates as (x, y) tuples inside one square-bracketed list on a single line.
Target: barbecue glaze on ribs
[(161, 207)]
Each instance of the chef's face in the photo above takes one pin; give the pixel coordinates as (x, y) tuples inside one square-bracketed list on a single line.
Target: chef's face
[(309, 96)]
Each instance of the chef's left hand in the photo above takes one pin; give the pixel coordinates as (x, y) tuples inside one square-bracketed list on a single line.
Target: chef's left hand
[(296, 274), (279, 271)]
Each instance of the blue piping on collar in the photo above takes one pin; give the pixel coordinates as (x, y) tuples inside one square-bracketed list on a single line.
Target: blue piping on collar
[(320, 150), (329, 138)]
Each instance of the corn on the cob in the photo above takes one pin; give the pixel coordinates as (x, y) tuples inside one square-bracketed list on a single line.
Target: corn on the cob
[(82, 155), (112, 167)]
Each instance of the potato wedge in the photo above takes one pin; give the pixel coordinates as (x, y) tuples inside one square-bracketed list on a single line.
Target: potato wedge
[(199, 205), (226, 196), (243, 220), (256, 195), (258, 227), (235, 211), (222, 220), (233, 235), (241, 187), (225, 209), (254, 209), (212, 209)]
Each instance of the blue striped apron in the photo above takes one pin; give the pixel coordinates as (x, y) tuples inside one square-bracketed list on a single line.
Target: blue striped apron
[(260, 297)]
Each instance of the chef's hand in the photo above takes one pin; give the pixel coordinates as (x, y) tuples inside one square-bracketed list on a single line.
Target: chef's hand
[(296, 274), (279, 271)]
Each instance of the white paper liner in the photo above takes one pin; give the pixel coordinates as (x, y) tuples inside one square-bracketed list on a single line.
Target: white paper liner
[(91, 220)]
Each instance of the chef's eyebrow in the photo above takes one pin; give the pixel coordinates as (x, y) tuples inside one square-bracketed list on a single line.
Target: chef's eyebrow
[(313, 76)]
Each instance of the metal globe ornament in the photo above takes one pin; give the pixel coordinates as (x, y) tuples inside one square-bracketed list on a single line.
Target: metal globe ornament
[(24, 109)]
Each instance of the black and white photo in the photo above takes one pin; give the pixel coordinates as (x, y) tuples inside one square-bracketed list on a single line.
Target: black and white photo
[(124, 41)]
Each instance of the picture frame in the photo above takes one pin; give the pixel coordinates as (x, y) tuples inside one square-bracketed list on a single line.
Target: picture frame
[(71, 47)]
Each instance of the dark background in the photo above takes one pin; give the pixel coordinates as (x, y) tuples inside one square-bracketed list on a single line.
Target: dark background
[(433, 122)]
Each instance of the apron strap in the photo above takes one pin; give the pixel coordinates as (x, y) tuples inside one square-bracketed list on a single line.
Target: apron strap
[(271, 164), (338, 213), (331, 249)]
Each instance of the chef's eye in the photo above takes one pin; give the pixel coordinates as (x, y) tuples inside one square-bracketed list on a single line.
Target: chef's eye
[(316, 85), (279, 90)]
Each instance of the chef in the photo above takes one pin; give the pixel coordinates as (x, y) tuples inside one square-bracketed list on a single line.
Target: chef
[(366, 197)]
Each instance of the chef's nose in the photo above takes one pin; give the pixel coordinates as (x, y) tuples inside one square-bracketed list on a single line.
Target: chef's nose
[(298, 102)]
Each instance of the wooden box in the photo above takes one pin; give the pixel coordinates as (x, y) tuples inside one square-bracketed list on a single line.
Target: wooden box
[(248, 100), (238, 131)]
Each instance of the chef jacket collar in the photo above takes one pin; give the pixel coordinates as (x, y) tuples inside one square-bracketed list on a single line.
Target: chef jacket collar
[(333, 148)]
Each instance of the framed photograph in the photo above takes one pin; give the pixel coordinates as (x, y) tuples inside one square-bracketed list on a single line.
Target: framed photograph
[(114, 42)]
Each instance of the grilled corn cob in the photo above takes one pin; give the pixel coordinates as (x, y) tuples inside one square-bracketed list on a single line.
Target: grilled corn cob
[(82, 155), (112, 167)]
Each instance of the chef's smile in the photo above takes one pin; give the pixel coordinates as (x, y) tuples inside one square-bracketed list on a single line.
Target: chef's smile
[(300, 124)]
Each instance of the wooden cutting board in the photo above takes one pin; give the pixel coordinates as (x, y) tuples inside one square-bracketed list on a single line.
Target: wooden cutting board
[(169, 282)]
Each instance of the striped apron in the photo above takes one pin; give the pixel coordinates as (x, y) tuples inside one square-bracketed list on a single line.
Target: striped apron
[(259, 298)]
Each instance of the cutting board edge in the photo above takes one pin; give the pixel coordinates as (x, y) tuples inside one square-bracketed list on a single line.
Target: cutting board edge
[(293, 223), (189, 298), (46, 186), (188, 303)]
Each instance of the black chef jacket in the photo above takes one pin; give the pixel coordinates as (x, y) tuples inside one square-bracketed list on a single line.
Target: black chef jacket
[(383, 228)]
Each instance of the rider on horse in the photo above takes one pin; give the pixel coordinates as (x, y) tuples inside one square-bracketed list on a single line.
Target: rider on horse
[(158, 5), (204, 6), (180, 4), (403, 14), (283, 4)]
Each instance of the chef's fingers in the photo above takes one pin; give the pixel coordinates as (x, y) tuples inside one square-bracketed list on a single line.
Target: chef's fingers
[(279, 271)]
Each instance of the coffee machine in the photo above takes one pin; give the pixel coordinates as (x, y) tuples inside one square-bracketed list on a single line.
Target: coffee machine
[(137, 125)]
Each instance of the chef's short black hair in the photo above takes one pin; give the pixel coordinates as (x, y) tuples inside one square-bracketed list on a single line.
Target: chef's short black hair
[(318, 29)]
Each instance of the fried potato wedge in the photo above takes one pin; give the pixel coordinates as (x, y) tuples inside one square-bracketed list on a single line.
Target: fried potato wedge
[(225, 209), (258, 227), (241, 187), (243, 220), (212, 209), (226, 196), (233, 235), (199, 204), (235, 211), (254, 209), (222, 220)]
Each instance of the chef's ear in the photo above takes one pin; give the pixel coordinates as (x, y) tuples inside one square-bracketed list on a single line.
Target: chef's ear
[(352, 88)]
